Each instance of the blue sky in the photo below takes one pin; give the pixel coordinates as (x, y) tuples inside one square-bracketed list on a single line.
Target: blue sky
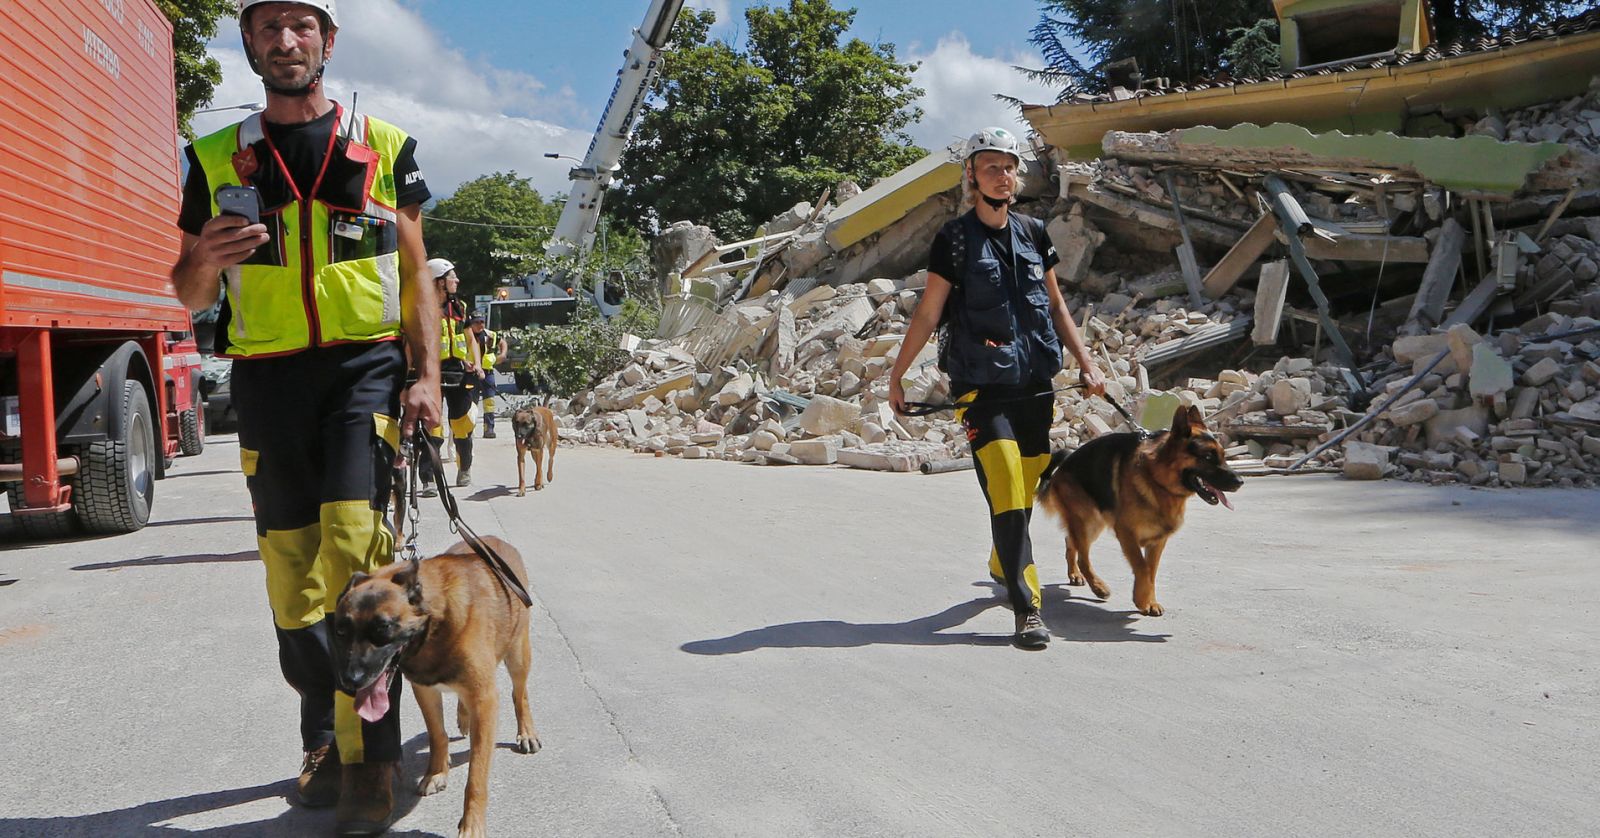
[(585, 60), (491, 85)]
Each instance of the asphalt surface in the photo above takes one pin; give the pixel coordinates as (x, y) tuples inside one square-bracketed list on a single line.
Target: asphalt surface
[(728, 650)]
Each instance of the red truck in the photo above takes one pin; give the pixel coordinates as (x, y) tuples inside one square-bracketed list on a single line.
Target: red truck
[(99, 373)]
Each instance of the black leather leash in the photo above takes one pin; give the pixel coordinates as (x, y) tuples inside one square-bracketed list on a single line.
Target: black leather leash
[(917, 409), (920, 409), (408, 503)]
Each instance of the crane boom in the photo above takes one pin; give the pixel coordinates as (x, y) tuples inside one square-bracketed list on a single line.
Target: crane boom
[(574, 232)]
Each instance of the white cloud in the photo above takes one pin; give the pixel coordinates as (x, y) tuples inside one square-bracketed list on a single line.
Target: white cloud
[(960, 87), (468, 119), (721, 7)]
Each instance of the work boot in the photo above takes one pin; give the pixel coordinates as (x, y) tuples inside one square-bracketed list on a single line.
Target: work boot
[(488, 433), (1031, 633), (318, 786), (488, 426), (463, 478), (366, 799)]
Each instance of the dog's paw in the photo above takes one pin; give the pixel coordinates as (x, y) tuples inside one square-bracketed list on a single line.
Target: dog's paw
[(471, 829), (523, 493), (1076, 580), (528, 745), (1152, 609), (431, 784), (1100, 589)]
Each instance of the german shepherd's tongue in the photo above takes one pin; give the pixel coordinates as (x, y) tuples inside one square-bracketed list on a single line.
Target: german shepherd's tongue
[(1222, 496), (372, 701)]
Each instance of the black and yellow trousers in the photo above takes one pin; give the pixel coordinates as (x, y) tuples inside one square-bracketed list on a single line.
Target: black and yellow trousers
[(317, 438), (1009, 432), (459, 394)]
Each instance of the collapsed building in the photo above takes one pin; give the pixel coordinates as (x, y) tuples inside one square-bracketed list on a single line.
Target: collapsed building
[(1382, 261)]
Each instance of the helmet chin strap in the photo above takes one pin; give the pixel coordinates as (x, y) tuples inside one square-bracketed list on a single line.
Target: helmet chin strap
[(997, 203)]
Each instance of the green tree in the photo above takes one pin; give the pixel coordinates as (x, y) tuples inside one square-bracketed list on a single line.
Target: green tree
[(1185, 39), (732, 136), (194, 22), (492, 228)]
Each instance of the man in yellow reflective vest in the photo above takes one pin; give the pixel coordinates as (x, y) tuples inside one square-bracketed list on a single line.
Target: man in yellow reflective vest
[(320, 294), (460, 369), (493, 347)]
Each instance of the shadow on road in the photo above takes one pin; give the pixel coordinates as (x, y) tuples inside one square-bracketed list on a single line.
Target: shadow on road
[(490, 493), (203, 473), (1069, 619), (153, 819), (187, 521), (156, 561), (1079, 620)]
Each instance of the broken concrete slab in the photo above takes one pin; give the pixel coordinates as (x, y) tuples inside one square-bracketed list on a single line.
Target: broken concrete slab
[(828, 415), (1490, 376), (876, 461), (815, 452), (1541, 372), (1363, 461)]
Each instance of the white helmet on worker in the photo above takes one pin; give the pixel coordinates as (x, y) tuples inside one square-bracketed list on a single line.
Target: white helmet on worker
[(993, 139), (440, 267), (327, 7)]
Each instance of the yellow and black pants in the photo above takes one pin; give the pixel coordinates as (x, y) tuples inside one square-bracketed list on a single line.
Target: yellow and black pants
[(317, 437), (460, 390), (1009, 432)]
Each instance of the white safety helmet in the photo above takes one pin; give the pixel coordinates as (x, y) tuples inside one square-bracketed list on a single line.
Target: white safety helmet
[(440, 267), (993, 139), (326, 7)]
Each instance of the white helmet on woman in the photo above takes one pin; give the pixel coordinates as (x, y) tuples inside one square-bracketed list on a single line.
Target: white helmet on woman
[(440, 267), (326, 7), (993, 139)]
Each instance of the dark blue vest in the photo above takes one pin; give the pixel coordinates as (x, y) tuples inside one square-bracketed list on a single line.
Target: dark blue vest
[(998, 330)]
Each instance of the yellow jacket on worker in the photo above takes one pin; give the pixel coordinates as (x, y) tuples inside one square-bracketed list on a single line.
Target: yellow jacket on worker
[(331, 271)]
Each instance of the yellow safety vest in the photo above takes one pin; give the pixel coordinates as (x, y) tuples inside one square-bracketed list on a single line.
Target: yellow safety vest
[(331, 272), (453, 336), (492, 342)]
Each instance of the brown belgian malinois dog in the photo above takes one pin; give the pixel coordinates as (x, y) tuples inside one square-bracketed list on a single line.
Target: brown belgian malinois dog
[(1138, 486), (535, 431), (444, 622)]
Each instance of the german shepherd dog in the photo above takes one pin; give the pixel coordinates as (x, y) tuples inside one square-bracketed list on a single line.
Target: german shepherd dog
[(1138, 487), (443, 622), (535, 431)]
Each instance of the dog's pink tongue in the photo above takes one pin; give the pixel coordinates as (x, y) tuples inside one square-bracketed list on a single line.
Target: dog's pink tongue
[(372, 701), (1223, 496)]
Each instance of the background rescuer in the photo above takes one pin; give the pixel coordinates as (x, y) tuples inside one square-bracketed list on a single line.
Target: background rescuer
[(992, 288), (318, 297)]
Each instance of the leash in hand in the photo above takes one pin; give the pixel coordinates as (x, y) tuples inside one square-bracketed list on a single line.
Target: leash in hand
[(419, 445), (920, 409)]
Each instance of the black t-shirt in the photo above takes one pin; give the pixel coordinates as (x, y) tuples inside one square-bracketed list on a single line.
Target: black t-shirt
[(303, 146), (941, 259)]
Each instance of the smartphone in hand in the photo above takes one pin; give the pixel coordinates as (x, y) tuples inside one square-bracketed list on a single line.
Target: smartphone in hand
[(242, 201)]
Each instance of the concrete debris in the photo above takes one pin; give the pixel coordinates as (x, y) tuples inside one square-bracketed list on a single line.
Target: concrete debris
[(782, 343)]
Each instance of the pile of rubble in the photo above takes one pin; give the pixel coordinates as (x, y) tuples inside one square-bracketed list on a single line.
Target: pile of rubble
[(1357, 317)]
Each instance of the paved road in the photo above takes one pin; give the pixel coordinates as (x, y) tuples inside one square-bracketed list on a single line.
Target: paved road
[(725, 650)]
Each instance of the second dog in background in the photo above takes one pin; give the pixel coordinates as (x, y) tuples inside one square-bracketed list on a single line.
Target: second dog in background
[(535, 431)]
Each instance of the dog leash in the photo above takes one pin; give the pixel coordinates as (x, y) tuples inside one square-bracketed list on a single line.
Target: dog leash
[(918, 409), (496, 562)]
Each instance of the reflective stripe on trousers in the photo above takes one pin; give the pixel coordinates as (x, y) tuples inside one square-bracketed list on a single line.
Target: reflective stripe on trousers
[(317, 433), (1010, 444)]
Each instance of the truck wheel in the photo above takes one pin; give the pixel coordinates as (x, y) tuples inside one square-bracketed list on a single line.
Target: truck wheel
[(47, 527), (116, 483), (35, 527), (192, 432)]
